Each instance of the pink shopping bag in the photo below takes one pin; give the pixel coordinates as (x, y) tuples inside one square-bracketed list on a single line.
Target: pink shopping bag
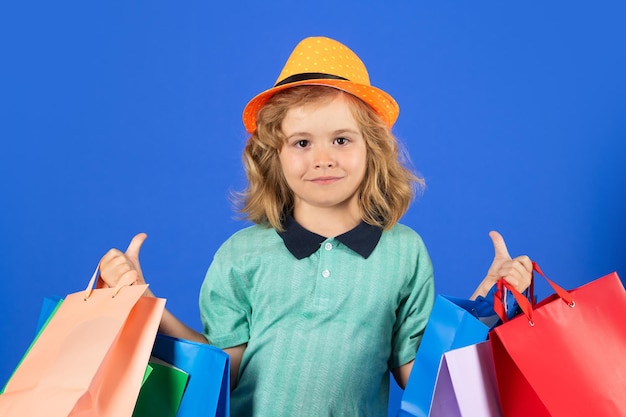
[(466, 384), (91, 357)]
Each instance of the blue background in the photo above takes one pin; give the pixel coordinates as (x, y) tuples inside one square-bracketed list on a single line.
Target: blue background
[(124, 116)]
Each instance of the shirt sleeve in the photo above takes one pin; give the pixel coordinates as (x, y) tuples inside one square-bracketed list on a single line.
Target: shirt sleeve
[(224, 307), (413, 311)]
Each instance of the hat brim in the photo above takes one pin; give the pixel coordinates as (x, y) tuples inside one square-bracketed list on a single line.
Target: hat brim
[(381, 102)]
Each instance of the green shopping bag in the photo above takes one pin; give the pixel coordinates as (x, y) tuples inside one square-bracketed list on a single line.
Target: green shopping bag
[(162, 392)]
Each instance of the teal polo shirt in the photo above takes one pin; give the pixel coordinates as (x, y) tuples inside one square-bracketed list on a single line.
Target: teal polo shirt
[(324, 319)]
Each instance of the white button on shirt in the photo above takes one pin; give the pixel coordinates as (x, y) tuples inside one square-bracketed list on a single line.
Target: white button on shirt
[(328, 246), (326, 273)]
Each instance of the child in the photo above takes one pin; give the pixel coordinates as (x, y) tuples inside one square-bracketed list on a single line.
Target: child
[(327, 293)]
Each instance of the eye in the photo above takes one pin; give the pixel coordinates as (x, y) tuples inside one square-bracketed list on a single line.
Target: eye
[(302, 143), (341, 141)]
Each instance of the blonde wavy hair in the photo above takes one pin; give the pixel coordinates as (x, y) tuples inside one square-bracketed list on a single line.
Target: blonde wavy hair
[(385, 194)]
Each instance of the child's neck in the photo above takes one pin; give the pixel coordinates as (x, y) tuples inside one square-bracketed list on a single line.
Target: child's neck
[(327, 222)]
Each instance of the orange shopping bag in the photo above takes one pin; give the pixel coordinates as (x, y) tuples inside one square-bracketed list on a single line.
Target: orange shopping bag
[(90, 358)]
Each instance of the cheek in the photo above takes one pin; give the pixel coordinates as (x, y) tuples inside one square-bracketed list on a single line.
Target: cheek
[(358, 163), (291, 165)]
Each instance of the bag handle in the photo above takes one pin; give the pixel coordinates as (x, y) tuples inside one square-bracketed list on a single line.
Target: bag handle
[(524, 303), (92, 281)]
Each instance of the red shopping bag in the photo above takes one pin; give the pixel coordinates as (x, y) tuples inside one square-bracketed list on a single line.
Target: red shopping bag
[(566, 355), (90, 358)]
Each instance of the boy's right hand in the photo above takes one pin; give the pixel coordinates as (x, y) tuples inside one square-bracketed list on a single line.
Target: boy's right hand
[(116, 266)]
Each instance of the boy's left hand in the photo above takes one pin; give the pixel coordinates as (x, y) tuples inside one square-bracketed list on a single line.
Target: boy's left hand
[(517, 271)]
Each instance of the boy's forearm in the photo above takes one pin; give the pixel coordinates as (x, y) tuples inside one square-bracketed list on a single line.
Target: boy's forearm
[(172, 326)]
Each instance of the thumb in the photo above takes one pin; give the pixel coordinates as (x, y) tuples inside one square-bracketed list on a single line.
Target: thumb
[(135, 245), (499, 246)]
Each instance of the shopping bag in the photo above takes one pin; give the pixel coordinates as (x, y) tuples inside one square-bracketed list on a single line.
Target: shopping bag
[(49, 306), (161, 391), (208, 389), (449, 326), (162, 386), (566, 355), (466, 384), (207, 392), (146, 374), (90, 358)]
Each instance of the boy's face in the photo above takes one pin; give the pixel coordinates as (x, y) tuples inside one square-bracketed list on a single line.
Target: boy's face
[(324, 156)]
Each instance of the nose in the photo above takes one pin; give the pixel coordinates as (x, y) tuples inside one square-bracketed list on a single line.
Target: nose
[(323, 158)]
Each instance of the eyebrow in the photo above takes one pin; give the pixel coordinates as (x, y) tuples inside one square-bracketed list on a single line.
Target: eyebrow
[(334, 133), (341, 131), (295, 134)]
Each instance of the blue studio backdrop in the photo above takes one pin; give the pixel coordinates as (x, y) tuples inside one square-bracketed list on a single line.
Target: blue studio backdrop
[(118, 117)]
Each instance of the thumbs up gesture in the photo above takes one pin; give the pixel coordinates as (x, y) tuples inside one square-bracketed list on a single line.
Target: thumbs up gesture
[(516, 271), (117, 266)]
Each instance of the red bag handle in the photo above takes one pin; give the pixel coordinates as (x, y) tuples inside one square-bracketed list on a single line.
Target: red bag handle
[(525, 305)]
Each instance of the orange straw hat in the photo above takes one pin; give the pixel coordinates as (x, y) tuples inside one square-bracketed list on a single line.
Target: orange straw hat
[(324, 61)]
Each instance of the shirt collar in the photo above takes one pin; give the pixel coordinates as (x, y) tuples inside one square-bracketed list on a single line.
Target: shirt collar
[(303, 243)]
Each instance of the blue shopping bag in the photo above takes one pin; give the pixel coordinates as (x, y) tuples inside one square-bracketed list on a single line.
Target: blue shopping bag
[(453, 323), (208, 391)]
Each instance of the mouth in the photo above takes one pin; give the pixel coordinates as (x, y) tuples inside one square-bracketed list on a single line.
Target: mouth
[(325, 180)]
